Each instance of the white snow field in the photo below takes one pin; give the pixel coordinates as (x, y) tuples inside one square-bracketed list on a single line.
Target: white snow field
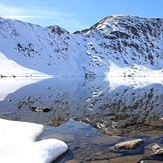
[(18, 143), (8, 67)]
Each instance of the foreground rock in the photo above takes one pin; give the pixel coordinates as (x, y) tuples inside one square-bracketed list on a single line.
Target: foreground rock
[(157, 150), (132, 144)]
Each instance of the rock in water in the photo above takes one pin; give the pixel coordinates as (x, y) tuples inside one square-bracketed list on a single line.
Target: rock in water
[(157, 150), (132, 144), (40, 109)]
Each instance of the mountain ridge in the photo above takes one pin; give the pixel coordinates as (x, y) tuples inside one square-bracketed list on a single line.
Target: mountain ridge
[(115, 46)]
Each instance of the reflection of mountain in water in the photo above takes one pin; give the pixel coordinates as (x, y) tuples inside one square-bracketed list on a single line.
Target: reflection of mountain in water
[(136, 106), (10, 85)]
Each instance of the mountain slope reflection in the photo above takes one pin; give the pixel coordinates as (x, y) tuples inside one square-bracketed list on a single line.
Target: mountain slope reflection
[(128, 109)]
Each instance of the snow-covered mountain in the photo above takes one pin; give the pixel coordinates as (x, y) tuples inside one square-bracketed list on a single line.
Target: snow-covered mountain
[(115, 46)]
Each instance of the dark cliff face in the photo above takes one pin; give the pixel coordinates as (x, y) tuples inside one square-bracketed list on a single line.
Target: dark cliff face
[(57, 30), (123, 40)]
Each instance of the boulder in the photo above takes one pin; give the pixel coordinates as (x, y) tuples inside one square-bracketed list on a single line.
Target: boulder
[(157, 150), (132, 144)]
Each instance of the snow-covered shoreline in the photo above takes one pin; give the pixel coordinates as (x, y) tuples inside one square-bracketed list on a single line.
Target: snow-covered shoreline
[(18, 144)]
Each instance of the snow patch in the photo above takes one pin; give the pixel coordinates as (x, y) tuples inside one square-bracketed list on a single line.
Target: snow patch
[(18, 144), (132, 71), (9, 67)]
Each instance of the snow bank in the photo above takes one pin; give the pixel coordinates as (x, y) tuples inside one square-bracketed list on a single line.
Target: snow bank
[(17, 143), (132, 71)]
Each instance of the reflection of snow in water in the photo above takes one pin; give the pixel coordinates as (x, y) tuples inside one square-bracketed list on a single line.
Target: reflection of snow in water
[(134, 82), (108, 103), (11, 85)]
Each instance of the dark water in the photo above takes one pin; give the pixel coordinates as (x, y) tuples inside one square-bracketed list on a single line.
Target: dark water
[(91, 115)]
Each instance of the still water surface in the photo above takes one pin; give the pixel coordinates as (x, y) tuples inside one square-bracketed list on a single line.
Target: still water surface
[(90, 115)]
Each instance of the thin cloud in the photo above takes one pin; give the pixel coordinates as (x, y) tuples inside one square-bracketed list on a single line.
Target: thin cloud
[(42, 16), (18, 17)]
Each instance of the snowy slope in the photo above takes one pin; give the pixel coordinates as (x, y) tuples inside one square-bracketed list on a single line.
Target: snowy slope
[(126, 44), (131, 46), (11, 68)]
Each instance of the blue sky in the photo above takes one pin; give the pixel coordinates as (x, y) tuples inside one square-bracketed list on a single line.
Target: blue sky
[(76, 15)]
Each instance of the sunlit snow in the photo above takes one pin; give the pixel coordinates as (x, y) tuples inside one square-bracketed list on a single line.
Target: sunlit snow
[(133, 71), (17, 143), (9, 67)]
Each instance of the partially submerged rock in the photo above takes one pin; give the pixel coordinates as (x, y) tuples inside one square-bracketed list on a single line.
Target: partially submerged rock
[(132, 144), (40, 109), (157, 150)]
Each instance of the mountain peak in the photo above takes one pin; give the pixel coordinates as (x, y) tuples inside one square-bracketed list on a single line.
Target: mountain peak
[(105, 22), (116, 20)]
